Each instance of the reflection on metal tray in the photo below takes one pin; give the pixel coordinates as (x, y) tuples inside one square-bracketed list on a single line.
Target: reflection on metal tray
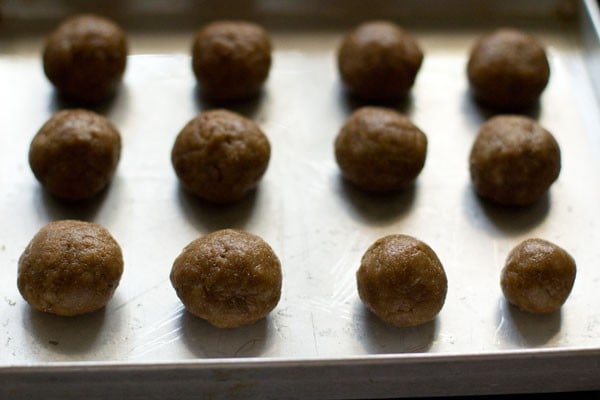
[(319, 342)]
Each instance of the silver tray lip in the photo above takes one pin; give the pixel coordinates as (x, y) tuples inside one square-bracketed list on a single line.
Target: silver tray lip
[(593, 12), (276, 362), (590, 26), (353, 377)]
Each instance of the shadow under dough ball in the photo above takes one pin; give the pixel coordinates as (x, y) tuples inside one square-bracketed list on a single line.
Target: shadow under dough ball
[(379, 61), (402, 281), (220, 156), (85, 58), (75, 154), (229, 278), (231, 59), (508, 70), (70, 268), (538, 276), (514, 160), (380, 150)]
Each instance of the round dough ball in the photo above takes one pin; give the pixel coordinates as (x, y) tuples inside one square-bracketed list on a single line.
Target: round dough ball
[(85, 58), (75, 154), (514, 160), (231, 59), (229, 278), (379, 61), (220, 156), (538, 276), (402, 281), (380, 150), (508, 70), (70, 268)]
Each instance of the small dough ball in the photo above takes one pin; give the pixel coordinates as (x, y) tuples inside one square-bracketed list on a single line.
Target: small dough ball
[(508, 70), (220, 156), (85, 58), (70, 268), (402, 281), (380, 150), (538, 276), (229, 278), (231, 59), (379, 61), (514, 160), (75, 154)]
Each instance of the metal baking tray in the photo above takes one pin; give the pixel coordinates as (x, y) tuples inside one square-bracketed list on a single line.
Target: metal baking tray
[(319, 342)]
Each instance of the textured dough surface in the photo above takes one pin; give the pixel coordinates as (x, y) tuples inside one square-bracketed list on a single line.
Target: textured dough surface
[(231, 59), (402, 281), (75, 154), (508, 69), (229, 278), (514, 160), (85, 58), (379, 61), (538, 276), (70, 268), (220, 156), (380, 150)]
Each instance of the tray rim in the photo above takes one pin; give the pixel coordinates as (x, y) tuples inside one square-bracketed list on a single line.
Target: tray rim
[(383, 376), (590, 32), (253, 362)]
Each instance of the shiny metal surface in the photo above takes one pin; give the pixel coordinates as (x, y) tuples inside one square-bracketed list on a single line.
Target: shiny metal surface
[(317, 224)]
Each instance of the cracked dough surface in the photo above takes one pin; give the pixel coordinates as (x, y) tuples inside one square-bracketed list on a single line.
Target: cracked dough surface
[(402, 281), (508, 69), (514, 160), (231, 59), (379, 60), (220, 156), (538, 276), (70, 268), (229, 278), (85, 58), (380, 150), (75, 154)]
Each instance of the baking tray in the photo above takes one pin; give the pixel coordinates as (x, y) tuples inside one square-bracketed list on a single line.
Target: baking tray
[(319, 342)]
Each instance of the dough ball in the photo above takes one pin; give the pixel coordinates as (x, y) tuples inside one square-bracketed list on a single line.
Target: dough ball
[(70, 268), (402, 281), (231, 59), (85, 58), (75, 154), (229, 278), (380, 150), (379, 61), (508, 70), (220, 156), (538, 276), (513, 160)]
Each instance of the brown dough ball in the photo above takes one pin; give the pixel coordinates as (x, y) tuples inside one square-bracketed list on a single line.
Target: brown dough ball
[(402, 281), (85, 58), (513, 160), (220, 156), (380, 150), (70, 268), (231, 59), (75, 154), (379, 61), (508, 70), (229, 278), (538, 276)]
